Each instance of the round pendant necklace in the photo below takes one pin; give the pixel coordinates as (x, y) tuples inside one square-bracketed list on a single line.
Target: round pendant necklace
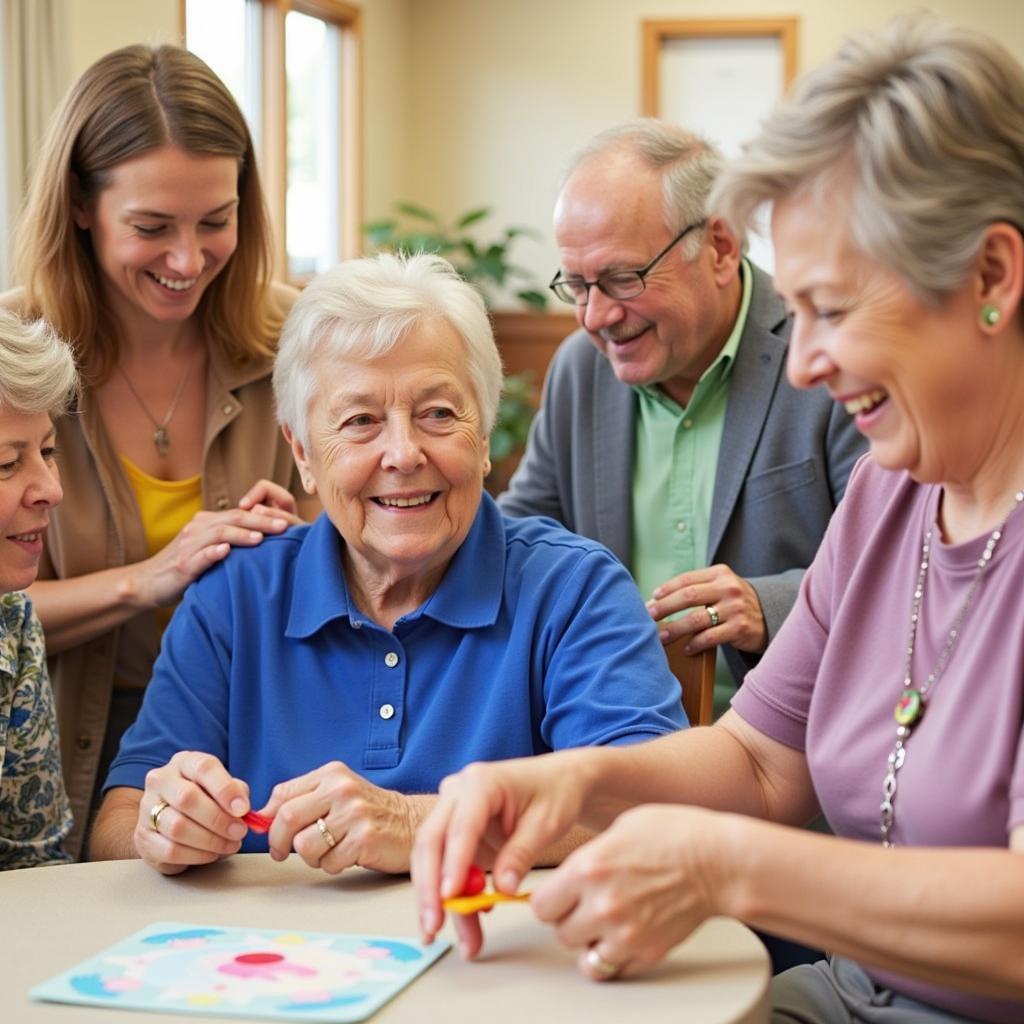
[(913, 700)]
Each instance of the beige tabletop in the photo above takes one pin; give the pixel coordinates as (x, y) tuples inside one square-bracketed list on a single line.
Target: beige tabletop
[(54, 917)]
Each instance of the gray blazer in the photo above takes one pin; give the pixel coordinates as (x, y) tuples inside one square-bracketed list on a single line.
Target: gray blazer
[(783, 465)]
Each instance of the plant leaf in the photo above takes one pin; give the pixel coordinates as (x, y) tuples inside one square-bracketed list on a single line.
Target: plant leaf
[(422, 241), (535, 300), (492, 265), (501, 445), (419, 212), (473, 217)]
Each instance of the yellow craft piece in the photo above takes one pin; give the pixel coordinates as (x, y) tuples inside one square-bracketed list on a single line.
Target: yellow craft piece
[(482, 901)]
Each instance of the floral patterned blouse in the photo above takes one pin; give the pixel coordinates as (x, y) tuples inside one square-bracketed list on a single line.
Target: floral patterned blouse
[(34, 812)]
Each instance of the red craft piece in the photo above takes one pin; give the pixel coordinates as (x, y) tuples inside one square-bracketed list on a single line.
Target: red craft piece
[(257, 822), (258, 958), (476, 881)]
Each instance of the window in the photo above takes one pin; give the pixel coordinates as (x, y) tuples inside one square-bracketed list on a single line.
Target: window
[(293, 66)]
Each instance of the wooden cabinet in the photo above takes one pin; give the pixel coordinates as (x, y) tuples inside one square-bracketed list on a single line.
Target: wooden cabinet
[(527, 341)]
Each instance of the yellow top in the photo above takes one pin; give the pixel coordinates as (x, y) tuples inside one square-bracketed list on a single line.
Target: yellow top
[(166, 506)]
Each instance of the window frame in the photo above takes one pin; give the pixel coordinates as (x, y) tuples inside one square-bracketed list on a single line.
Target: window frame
[(272, 134)]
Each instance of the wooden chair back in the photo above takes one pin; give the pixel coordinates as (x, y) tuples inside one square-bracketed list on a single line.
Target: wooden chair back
[(696, 675)]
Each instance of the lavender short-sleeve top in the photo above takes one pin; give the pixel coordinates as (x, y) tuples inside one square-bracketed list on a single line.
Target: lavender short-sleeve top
[(829, 682)]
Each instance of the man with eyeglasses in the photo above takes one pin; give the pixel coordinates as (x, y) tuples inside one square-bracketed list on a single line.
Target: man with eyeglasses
[(668, 430)]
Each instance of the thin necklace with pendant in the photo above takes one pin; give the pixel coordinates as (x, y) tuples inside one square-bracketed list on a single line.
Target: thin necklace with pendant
[(913, 700), (161, 440)]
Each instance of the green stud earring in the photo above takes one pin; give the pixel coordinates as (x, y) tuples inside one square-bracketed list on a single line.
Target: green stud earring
[(990, 315)]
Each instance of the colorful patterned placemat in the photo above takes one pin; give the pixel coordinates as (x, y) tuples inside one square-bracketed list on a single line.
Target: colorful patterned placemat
[(245, 972)]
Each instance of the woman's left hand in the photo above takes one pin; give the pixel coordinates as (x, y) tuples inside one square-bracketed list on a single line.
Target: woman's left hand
[(270, 498), (636, 890), (369, 826)]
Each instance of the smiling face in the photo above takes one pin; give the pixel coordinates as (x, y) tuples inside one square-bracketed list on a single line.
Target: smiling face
[(161, 231), (906, 371), (610, 216), (29, 488), (397, 454)]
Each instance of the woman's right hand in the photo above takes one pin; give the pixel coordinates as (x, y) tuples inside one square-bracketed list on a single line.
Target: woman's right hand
[(268, 498), (206, 539), (199, 820), (505, 812)]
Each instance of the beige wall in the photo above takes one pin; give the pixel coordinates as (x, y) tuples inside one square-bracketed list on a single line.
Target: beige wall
[(507, 89), (479, 102), (97, 26), (387, 94)]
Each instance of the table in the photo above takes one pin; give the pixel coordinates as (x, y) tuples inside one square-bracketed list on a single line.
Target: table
[(54, 917)]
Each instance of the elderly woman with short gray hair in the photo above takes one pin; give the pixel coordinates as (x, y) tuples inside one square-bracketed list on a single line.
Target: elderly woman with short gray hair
[(333, 675), (892, 698), (37, 383)]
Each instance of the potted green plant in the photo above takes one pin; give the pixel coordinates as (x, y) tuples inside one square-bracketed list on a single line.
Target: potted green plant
[(486, 265)]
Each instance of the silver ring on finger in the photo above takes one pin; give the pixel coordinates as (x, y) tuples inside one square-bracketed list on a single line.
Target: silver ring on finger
[(600, 967), (325, 833), (154, 815), (712, 614)]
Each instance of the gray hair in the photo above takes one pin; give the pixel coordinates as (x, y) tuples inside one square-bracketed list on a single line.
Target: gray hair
[(363, 308), (927, 121), (688, 165), (37, 368)]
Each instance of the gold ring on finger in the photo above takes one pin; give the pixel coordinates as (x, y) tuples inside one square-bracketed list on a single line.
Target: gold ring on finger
[(325, 833), (712, 614), (154, 815)]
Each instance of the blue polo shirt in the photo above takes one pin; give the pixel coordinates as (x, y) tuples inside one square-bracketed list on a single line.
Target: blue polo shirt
[(535, 640)]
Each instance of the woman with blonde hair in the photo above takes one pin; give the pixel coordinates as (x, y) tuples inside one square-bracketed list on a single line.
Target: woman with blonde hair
[(892, 697), (145, 242), (37, 382)]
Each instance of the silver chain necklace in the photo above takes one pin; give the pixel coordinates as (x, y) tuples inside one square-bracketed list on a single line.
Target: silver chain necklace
[(912, 702), (160, 438)]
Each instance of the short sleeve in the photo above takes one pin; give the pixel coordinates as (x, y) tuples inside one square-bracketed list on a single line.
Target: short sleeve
[(607, 678)]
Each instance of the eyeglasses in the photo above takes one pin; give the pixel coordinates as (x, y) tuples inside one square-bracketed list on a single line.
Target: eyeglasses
[(619, 284)]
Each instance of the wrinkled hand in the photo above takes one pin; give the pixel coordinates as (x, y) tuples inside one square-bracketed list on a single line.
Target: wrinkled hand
[(372, 827), (636, 890), (200, 823), (740, 619), (270, 499), (516, 808), (203, 541)]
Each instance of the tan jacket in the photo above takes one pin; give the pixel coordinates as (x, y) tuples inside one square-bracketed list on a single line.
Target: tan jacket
[(98, 526)]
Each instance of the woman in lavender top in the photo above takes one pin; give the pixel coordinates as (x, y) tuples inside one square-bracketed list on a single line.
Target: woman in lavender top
[(896, 175)]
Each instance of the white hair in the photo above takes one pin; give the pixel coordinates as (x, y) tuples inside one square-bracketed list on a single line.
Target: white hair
[(925, 121), (363, 308), (37, 368), (688, 165)]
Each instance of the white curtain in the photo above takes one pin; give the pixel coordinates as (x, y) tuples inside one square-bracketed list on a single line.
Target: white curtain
[(34, 72)]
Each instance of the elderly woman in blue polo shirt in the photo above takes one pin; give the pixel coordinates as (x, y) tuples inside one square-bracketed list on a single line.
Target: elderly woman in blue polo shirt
[(333, 675)]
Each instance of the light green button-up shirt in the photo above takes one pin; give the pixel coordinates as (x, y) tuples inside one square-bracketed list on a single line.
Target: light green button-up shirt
[(675, 463)]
